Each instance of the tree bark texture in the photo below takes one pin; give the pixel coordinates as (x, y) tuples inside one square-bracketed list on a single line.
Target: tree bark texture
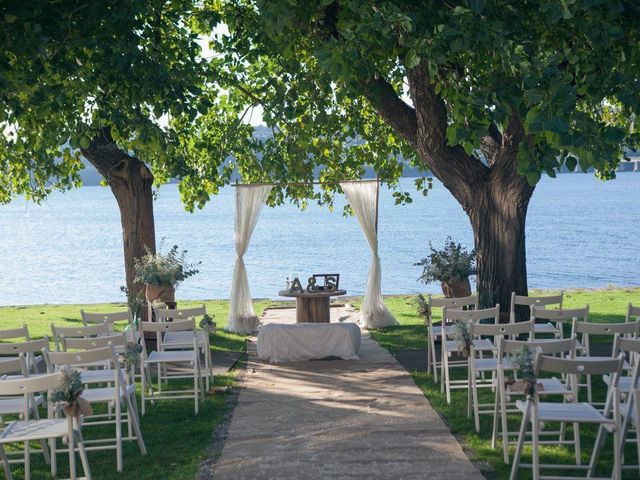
[(130, 181), (493, 194)]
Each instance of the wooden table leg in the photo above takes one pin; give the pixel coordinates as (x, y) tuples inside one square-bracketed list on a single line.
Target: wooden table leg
[(312, 309)]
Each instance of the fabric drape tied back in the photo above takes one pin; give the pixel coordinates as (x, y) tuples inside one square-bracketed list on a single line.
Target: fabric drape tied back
[(363, 198), (249, 202)]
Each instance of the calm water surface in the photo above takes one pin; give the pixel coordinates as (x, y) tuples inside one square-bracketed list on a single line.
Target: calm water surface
[(580, 233)]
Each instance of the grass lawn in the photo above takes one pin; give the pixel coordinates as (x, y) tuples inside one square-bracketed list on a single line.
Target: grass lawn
[(608, 305), (177, 441)]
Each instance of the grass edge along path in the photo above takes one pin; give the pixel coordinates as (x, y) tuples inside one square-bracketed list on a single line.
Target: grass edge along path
[(605, 305)]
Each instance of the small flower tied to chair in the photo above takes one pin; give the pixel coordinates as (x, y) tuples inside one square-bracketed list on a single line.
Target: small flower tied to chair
[(69, 392)]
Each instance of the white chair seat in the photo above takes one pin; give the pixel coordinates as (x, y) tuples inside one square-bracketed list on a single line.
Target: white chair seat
[(488, 364), (545, 328), (171, 356), (624, 384), (567, 412), (624, 411), (103, 394), (183, 339), (437, 330), (20, 431), (16, 405), (482, 344)]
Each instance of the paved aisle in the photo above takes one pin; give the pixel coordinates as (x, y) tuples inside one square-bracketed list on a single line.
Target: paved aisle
[(337, 420)]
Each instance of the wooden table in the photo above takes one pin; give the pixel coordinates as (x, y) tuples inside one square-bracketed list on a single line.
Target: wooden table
[(312, 306)]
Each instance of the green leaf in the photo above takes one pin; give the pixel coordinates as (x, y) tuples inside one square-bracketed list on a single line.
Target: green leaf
[(411, 59), (476, 6), (533, 178), (85, 142), (571, 162), (10, 18)]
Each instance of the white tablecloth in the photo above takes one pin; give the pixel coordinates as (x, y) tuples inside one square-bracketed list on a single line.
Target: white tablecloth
[(280, 342)]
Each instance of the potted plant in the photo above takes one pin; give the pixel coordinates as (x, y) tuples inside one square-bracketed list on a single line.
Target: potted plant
[(161, 273), (451, 267)]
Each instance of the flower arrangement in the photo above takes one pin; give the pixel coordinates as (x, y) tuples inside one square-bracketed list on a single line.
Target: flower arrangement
[(160, 269), (207, 324), (68, 391), (422, 307), (462, 335), (132, 356), (525, 360), (452, 264)]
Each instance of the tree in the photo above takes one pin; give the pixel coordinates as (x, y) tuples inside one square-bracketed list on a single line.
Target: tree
[(487, 95), (121, 83)]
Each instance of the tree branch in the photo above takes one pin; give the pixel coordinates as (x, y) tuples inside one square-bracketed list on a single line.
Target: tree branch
[(400, 116)]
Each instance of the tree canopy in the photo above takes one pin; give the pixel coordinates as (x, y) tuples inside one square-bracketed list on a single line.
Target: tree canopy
[(74, 70), (568, 71)]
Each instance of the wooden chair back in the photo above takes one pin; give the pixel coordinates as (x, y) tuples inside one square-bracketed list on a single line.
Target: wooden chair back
[(578, 366), (565, 346), (501, 329), (164, 314), (77, 332), (526, 301), (453, 314), (458, 302), (633, 312), (15, 333), (92, 318), (561, 314), (115, 340)]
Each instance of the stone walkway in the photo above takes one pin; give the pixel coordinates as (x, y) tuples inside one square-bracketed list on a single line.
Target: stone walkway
[(337, 420)]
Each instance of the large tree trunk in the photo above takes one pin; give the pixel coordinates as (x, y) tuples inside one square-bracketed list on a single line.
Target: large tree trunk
[(130, 181), (492, 193), (498, 213)]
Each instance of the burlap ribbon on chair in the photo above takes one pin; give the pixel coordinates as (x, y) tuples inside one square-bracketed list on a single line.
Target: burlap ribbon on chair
[(80, 407)]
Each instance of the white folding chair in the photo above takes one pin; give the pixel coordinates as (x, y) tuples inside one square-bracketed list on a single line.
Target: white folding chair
[(478, 364), (507, 348), (582, 331), (453, 346), (26, 429), (434, 332), (633, 313), (86, 331), (527, 302), (180, 340), (550, 321), (119, 390), (93, 318), (16, 367), (629, 386), (534, 411), (188, 358), (29, 348)]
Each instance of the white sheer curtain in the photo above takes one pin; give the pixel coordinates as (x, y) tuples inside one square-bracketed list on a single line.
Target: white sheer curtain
[(363, 197), (249, 202)]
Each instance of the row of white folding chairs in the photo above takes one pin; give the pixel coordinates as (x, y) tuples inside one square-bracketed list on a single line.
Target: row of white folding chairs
[(98, 360), (621, 410), (21, 390)]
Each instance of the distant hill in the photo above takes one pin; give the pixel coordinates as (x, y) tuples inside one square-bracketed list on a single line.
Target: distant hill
[(90, 175)]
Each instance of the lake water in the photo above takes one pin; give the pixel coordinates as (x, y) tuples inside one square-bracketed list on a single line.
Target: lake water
[(581, 232)]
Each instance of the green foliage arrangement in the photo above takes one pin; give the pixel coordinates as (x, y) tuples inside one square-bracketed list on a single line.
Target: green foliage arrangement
[(132, 356), (69, 388), (525, 361), (207, 324), (451, 264), (422, 307), (462, 335), (161, 269)]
